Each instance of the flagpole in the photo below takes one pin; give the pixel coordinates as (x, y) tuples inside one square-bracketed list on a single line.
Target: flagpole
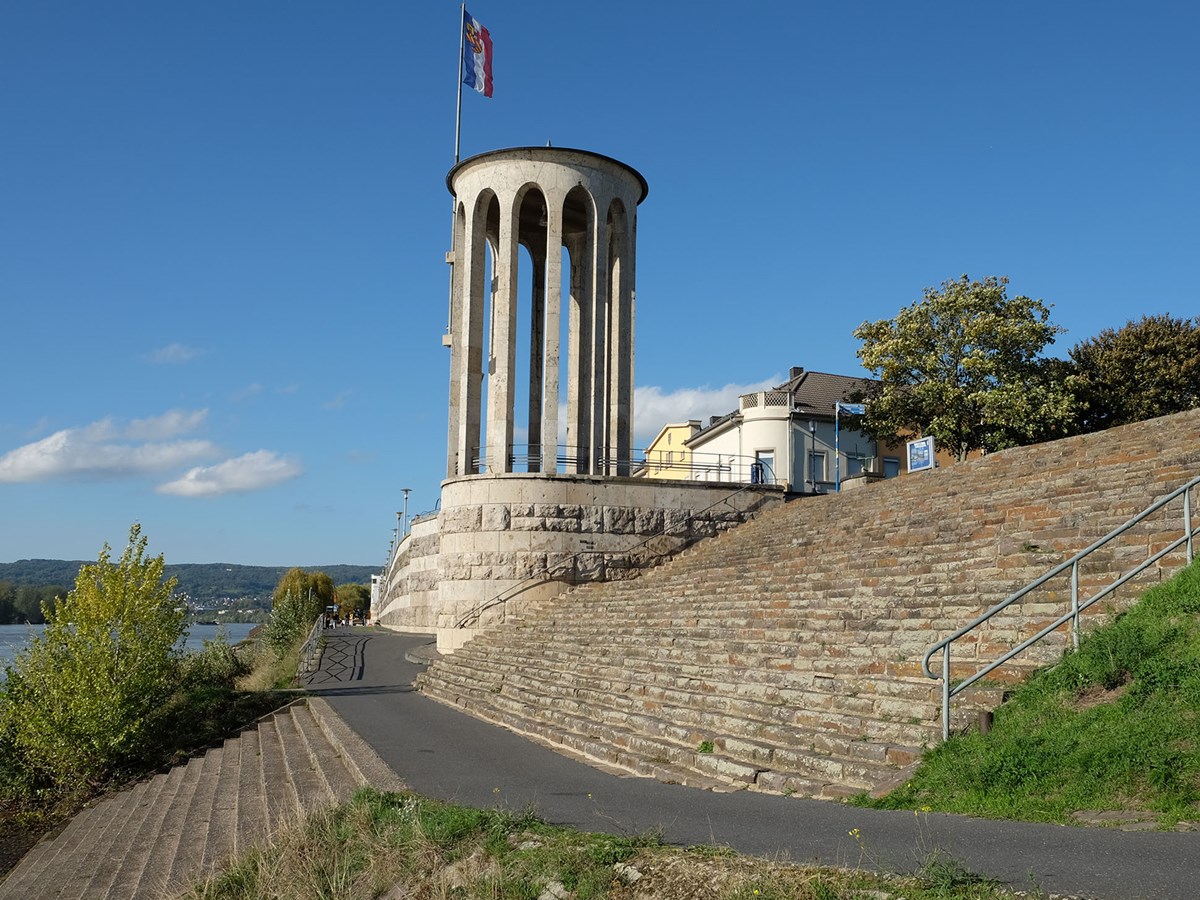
[(462, 15)]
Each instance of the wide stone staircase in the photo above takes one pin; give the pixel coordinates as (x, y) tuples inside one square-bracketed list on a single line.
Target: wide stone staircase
[(785, 654), (158, 837)]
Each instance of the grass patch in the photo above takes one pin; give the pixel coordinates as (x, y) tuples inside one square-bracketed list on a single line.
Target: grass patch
[(1113, 726), (401, 845)]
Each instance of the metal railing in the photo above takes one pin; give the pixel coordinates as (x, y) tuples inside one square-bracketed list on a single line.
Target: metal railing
[(683, 464), (547, 573), (1186, 539), (312, 648)]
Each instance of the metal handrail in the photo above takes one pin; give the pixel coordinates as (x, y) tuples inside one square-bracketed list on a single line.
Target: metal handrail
[(698, 465), (512, 591), (1187, 538), (310, 650)]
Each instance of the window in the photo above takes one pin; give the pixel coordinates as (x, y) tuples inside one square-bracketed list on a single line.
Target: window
[(891, 466)]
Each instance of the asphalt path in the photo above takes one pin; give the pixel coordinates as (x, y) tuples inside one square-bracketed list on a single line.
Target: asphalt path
[(446, 754)]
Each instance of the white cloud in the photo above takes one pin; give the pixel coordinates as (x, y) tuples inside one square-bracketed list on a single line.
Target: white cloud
[(654, 408), (96, 451), (251, 472), (172, 354), (245, 393), (170, 424)]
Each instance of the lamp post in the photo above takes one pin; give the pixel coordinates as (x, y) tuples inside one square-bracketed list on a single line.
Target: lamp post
[(406, 492)]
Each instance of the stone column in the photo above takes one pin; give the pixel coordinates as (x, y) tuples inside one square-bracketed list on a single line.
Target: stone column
[(579, 359), (457, 347), (504, 343), (620, 392), (537, 354), (553, 277), (467, 347), (597, 254)]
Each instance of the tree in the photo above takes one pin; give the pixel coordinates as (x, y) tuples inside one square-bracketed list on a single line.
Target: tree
[(353, 599), (963, 365), (84, 696), (299, 598), (313, 589), (1142, 370)]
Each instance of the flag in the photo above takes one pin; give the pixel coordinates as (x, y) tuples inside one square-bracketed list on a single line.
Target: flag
[(477, 55)]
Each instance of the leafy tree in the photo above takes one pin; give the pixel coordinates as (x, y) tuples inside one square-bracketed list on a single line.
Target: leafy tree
[(352, 599), (299, 598), (84, 696), (1142, 370), (962, 364), (313, 589)]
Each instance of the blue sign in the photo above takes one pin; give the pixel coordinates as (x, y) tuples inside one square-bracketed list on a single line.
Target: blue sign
[(920, 454)]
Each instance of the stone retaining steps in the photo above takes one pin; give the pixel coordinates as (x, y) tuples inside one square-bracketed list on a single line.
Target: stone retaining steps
[(160, 836), (793, 643)]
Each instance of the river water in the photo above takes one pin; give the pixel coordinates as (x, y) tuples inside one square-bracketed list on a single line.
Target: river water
[(16, 637)]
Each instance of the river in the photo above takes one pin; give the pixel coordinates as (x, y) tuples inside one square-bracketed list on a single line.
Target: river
[(15, 637)]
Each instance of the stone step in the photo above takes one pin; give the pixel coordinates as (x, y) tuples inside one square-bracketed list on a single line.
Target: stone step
[(252, 818), (48, 852), (751, 700), (283, 803), (339, 782), (777, 678), (303, 770), (189, 852), (143, 843), (174, 827), (220, 844), (105, 879), (89, 871), (363, 763), (681, 730), (163, 834)]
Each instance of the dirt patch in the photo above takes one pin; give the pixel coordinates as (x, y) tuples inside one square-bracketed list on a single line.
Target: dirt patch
[(1097, 695), (19, 831)]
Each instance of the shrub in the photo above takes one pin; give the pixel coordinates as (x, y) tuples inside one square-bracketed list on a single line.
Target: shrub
[(217, 665), (84, 696)]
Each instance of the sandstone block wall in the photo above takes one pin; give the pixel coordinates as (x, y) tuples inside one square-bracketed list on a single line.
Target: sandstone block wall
[(525, 537), (793, 643)]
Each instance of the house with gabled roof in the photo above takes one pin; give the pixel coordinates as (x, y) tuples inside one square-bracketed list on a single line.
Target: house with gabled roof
[(796, 435)]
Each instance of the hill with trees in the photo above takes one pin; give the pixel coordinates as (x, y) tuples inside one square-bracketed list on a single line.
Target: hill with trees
[(202, 582)]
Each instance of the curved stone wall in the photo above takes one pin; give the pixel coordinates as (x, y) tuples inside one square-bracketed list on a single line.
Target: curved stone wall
[(517, 538)]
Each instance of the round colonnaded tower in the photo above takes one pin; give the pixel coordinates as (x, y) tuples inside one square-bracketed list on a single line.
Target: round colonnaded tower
[(544, 199)]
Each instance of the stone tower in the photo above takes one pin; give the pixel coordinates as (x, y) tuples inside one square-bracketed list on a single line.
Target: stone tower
[(544, 199)]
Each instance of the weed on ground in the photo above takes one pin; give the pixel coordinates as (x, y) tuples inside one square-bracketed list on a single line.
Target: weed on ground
[(403, 846)]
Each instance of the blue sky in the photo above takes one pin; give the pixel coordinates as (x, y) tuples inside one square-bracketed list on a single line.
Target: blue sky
[(222, 225)]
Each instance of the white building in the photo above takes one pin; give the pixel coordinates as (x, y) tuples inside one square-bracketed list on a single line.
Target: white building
[(789, 434)]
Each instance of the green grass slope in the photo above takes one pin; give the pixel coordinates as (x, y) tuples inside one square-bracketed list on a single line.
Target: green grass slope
[(1111, 727)]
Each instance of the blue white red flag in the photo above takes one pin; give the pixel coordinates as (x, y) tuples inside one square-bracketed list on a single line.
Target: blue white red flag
[(477, 55)]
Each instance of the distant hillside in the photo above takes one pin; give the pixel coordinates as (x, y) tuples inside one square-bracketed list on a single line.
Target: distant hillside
[(202, 581)]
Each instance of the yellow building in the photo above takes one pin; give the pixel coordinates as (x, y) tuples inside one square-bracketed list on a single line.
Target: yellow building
[(668, 456)]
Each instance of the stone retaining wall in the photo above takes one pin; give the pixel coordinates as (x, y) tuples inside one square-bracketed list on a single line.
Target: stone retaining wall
[(518, 538)]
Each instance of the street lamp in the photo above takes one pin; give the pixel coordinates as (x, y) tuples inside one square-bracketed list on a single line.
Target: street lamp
[(406, 492)]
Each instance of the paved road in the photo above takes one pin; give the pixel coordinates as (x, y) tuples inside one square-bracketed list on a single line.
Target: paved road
[(442, 753)]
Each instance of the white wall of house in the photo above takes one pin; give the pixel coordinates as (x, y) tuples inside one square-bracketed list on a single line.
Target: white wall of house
[(798, 456)]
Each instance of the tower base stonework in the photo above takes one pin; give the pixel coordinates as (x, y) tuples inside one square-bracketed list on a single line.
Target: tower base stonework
[(500, 542)]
